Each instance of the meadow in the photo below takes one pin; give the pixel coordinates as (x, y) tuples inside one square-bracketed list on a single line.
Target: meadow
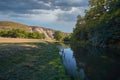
[(30, 61)]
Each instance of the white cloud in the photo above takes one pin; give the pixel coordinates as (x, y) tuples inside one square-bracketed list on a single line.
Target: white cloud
[(58, 12), (74, 1)]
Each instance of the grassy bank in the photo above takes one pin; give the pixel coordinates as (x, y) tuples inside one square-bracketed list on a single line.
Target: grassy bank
[(18, 40), (30, 61)]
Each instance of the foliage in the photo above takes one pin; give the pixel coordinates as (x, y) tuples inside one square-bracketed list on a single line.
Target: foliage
[(101, 24), (17, 33), (67, 38), (36, 35), (58, 35)]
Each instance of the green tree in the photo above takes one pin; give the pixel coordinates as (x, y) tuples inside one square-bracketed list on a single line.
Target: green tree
[(100, 25), (17, 33), (67, 38), (58, 35)]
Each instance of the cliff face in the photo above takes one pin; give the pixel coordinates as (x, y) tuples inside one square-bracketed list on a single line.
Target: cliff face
[(7, 25), (47, 32)]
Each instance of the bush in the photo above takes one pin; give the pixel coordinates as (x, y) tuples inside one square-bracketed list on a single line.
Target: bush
[(58, 35), (17, 33), (66, 39)]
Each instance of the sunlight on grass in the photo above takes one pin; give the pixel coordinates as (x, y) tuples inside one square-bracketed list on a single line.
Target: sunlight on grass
[(31, 61)]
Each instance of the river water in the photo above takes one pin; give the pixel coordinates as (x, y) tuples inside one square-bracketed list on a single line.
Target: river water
[(91, 63)]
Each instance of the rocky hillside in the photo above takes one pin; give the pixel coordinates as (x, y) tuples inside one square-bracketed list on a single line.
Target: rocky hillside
[(8, 25), (47, 32)]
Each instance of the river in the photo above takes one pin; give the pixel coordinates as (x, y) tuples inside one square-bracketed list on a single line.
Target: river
[(91, 63)]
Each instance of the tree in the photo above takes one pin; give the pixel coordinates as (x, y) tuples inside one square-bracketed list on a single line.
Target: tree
[(58, 35), (101, 24), (17, 33), (67, 38)]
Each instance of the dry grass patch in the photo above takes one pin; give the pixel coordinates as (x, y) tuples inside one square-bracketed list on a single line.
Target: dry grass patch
[(18, 40)]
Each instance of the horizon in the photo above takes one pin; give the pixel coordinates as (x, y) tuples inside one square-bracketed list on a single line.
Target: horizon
[(57, 15)]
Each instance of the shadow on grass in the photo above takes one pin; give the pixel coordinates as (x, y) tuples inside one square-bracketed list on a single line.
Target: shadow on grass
[(30, 61)]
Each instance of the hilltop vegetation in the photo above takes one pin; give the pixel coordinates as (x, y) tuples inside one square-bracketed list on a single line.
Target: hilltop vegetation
[(100, 26)]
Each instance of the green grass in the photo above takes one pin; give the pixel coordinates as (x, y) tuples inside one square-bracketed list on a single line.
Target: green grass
[(30, 61)]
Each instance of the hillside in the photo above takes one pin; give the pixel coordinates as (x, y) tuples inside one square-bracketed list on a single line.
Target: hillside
[(8, 25)]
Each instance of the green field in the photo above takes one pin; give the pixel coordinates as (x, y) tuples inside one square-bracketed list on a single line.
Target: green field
[(30, 61)]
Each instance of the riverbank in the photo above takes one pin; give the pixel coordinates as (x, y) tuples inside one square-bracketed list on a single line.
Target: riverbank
[(30, 61)]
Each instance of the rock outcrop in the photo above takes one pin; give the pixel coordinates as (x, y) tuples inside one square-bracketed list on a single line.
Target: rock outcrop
[(47, 32)]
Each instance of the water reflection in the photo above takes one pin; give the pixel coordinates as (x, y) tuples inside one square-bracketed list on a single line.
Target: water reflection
[(91, 63), (70, 65)]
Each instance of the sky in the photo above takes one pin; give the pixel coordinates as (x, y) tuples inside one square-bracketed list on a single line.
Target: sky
[(55, 14)]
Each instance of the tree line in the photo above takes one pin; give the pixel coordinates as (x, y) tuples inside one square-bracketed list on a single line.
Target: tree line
[(60, 36), (17, 33), (100, 26)]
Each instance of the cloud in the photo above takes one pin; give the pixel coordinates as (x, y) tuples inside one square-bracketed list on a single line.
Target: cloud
[(24, 6), (71, 14), (62, 12)]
